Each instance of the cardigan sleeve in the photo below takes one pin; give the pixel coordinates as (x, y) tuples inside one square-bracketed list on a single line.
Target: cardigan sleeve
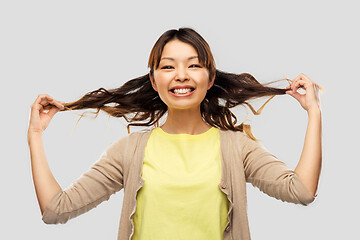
[(273, 177), (104, 178)]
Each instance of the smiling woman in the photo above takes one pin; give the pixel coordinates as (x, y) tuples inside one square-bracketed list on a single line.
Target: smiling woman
[(187, 178), (182, 83), (181, 57)]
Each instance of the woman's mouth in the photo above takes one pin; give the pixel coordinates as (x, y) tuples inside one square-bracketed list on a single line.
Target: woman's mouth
[(182, 92)]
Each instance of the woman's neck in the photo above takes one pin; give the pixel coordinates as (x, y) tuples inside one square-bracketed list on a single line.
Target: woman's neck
[(185, 121)]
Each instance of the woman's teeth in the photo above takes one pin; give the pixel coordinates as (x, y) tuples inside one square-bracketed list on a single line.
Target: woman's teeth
[(182, 90)]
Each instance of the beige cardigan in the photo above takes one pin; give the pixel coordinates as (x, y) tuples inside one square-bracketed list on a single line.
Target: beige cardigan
[(243, 160)]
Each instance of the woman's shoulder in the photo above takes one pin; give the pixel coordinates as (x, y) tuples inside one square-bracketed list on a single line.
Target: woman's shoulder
[(238, 137), (133, 137), (231, 133)]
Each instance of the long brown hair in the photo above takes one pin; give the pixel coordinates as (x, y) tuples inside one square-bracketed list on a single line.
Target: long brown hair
[(140, 105)]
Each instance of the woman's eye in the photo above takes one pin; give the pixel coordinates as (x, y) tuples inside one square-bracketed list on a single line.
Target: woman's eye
[(166, 67), (195, 65)]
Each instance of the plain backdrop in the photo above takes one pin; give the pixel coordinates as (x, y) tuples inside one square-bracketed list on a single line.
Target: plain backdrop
[(68, 48)]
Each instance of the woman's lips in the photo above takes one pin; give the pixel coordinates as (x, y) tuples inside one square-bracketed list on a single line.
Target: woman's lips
[(182, 95)]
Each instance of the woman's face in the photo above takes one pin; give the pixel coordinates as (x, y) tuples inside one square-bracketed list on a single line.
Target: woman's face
[(180, 79)]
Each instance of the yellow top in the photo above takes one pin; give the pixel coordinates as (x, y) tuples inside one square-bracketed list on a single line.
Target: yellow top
[(180, 198)]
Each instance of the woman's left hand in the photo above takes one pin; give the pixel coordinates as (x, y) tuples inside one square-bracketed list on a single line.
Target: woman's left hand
[(309, 100)]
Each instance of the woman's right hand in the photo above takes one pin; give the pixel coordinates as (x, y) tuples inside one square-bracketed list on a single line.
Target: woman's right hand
[(39, 119)]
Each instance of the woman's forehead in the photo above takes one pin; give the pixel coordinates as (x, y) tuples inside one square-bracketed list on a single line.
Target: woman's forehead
[(176, 48)]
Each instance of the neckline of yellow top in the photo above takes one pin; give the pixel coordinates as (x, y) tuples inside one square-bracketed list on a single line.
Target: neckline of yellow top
[(184, 136)]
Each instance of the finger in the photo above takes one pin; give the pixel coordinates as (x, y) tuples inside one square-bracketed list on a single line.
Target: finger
[(54, 104), (301, 76), (57, 104), (36, 107), (304, 77), (60, 104), (295, 95), (52, 112), (294, 82), (36, 110), (42, 96), (300, 84), (48, 107), (293, 85), (45, 99), (297, 78)]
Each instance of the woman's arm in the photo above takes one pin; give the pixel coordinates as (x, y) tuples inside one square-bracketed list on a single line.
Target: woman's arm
[(104, 178), (309, 167), (46, 187), (265, 171), (274, 177)]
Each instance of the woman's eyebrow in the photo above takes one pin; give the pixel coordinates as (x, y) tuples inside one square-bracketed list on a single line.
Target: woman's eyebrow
[(172, 59)]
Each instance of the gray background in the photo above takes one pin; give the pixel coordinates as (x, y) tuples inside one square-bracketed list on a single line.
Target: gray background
[(67, 48)]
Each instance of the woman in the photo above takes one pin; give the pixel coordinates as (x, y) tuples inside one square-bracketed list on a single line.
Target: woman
[(185, 179)]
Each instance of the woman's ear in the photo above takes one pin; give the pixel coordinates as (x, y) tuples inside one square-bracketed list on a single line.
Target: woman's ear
[(153, 84), (211, 83)]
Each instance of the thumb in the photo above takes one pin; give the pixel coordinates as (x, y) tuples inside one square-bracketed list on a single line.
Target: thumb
[(295, 95)]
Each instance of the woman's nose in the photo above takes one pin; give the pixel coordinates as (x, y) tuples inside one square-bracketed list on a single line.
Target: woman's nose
[(181, 74)]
